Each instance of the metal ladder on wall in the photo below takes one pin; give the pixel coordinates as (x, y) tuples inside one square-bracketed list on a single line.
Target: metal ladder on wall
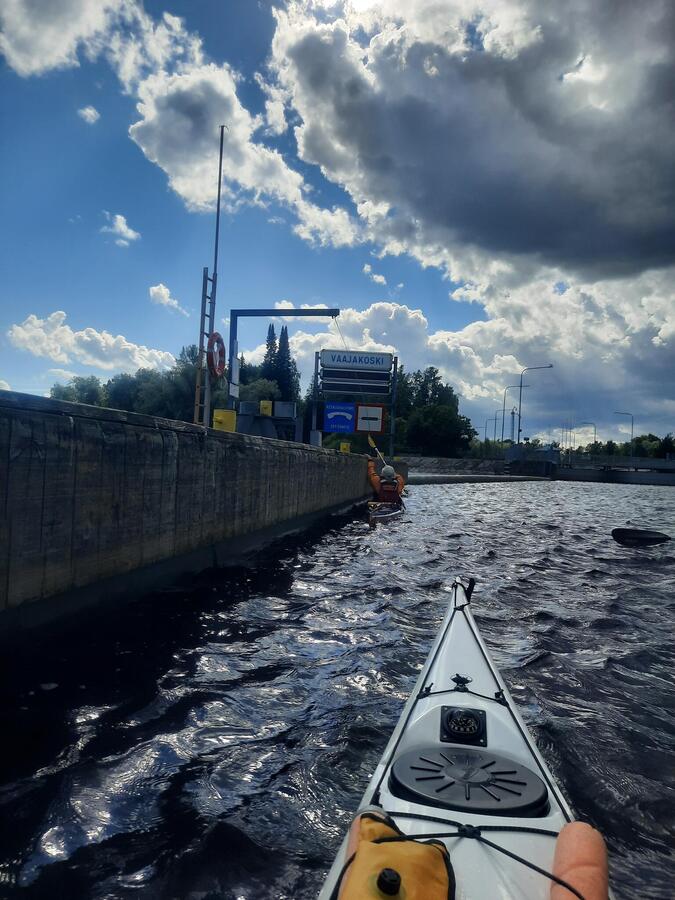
[(203, 380)]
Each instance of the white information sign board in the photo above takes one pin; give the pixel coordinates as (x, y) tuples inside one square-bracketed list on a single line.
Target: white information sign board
[(370, 418), (363, 360)]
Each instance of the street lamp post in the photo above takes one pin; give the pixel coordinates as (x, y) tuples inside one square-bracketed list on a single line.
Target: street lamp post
[(507, 388), (485, 437), (595, 430), (632, 423), (494, 433), (520, 391)]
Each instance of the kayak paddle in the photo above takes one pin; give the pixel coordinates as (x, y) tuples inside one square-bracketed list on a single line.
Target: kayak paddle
[(372, 443), (638, 537)]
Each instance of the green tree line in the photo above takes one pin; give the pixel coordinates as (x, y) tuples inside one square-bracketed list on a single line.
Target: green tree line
[(647, 445), (428, 421), (171, 393)]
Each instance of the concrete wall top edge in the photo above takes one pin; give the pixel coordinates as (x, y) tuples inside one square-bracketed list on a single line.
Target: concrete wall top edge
[(17, 402)]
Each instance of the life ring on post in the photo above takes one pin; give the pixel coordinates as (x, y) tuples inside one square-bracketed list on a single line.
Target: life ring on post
[(215, 354)]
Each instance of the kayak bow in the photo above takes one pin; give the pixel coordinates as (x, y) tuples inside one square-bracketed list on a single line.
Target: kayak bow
[(462, 766)]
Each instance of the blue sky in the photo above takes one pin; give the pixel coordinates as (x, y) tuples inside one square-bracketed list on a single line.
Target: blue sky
[(444, 217)]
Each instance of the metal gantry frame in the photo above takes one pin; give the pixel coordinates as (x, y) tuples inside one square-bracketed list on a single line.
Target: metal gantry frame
[(233, 350)]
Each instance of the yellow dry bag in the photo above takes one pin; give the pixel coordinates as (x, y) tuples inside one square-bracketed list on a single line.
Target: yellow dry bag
[(383, 863)]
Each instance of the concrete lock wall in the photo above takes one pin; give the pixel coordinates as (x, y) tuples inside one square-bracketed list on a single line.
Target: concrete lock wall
[(451, 466), (90, 497)]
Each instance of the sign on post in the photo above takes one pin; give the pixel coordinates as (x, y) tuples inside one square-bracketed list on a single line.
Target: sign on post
[(339, 418), (355, 372), (354, 359), (370, 418), (234, 372), (362, 375)]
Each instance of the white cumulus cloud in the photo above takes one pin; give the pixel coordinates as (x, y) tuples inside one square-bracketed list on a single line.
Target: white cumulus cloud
[(161, 295), (61, 374), (89, 114), (288, 304), (52, 338), (4, 385), (182, 100), (119, 228), (590, 333), (180, 116), (368, 270), (38, 36)]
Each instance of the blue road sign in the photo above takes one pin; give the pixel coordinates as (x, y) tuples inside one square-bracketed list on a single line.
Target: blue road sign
[(339, 418)]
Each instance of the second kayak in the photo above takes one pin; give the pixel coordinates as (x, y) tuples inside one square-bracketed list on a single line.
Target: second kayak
[(383, 512), (462, 771)]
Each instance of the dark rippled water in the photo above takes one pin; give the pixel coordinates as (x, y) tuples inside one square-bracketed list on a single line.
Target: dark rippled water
[(213, 741)]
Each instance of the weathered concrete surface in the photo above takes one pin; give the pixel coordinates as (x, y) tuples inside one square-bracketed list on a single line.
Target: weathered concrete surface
[(90, 497), (439, 465), (429, 478)]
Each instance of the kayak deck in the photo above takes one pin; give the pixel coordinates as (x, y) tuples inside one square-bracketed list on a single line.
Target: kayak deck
[(461, 756)]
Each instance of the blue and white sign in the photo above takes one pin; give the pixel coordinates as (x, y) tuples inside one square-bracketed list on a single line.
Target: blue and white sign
[(339, 418)]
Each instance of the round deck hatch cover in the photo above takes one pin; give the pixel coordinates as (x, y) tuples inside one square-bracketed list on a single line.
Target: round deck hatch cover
[(468, 780)]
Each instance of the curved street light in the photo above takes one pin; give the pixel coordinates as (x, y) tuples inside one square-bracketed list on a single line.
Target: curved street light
[(507, 388), (520, 392), (487, 421), (632, 422)]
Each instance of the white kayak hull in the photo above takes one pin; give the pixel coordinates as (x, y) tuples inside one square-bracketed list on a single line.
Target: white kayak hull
[(481, 872)]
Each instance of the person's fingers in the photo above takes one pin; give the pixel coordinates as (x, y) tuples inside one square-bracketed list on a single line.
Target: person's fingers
[(581, 860)]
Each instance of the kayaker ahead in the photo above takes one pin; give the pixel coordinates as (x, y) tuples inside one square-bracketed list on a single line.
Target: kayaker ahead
[(388, 486)]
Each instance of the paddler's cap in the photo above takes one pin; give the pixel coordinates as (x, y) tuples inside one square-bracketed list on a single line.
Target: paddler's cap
[(388, 472)]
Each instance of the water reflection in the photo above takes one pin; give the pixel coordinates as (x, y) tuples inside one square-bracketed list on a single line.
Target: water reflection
[(213, 741)]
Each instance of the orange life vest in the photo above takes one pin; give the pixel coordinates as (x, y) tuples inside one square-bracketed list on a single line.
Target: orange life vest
[(388, 492)]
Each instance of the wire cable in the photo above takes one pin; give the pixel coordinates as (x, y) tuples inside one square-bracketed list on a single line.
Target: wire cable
[(337, 325)]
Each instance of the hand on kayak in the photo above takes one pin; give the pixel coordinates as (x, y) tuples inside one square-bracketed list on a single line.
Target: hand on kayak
[(581, 860)]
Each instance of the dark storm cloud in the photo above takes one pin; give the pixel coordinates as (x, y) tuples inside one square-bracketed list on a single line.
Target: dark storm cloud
[(561, 151)]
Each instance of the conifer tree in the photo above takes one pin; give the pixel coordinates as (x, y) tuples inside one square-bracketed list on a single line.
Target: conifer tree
[(286, 372), (269, 363)]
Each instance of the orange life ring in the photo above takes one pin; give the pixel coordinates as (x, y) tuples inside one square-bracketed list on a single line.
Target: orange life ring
[(215, 354)]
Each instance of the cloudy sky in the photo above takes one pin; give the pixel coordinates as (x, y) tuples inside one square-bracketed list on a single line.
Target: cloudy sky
[(479, 186)]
